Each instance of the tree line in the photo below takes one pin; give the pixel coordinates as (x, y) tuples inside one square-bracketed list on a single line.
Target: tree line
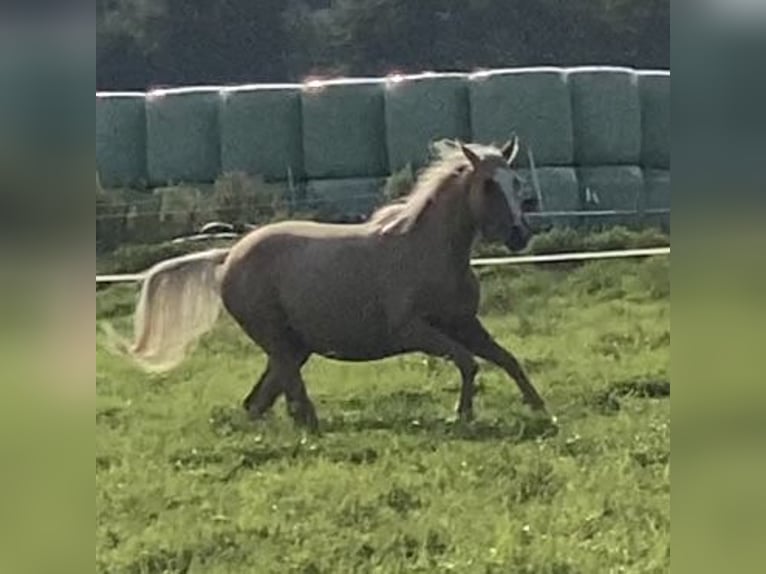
[(146, 43)]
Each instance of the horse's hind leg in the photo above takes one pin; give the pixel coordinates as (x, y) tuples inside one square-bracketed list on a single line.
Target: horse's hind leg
[(299, 405), (280, 377), (269, 330)]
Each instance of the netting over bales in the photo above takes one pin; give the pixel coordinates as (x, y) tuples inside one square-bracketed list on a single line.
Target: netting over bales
[(655, 118), (614, 188), (534, 102), (121, 139), (559, 191), (606, 113), (184, 209), (182, 135), (421, 109), (344, 129), (657, 195), (350, 196), (261, 131)]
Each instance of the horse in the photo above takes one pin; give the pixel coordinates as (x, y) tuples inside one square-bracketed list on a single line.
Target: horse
[(400, 282)]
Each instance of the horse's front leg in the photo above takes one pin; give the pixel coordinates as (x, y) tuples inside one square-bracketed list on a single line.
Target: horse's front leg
[(419, 336), (472, 334), (263, 394)]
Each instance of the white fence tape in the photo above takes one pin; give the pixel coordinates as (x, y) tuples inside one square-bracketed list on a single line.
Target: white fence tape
[(483, 262), (562, 257)]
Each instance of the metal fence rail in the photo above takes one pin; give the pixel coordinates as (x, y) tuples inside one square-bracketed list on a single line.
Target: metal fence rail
[(481, 262)]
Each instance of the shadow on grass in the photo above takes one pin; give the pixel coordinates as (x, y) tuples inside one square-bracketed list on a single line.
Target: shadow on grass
[(608, 401), (403, 413), (419, 413), (523, 428)]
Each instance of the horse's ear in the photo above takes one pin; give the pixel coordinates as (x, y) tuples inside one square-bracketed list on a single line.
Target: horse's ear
[(511, 149), (471, 155)]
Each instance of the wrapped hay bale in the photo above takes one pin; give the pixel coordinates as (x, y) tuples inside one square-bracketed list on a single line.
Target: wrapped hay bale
[(606, 114), (261, 131), (182, 135), (344, 129), (420, 109), (121, 139), (611, 188), (184, 209), (336, 198), (533, 102), (654, 87), (657, 196), (559, 191)]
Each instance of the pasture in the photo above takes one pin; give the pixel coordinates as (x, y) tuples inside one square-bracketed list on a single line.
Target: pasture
[(186, 483)]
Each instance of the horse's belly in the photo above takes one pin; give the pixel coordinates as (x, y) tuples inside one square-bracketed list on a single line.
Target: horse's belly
[(358, 344), (347, 330)]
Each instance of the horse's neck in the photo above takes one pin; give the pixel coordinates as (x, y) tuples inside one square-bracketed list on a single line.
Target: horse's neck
[(452, 233)]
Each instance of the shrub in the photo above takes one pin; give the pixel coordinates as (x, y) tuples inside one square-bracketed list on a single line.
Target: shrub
[(240, 198), (399, 184)]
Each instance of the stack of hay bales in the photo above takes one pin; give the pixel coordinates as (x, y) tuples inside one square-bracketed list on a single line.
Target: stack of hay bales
[(654, 88), (183, 154), (182, 135), (344, 142), (421, 109), (121, 139), (535, 104), (594, 132), (261, 131), (606, 117)]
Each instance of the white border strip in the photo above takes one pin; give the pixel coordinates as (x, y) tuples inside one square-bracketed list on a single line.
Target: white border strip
[(485, 262)]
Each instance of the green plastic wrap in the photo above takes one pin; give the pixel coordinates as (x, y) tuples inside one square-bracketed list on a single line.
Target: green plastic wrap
[(421, 109), (261, 131), (606, 114), (533, 102), (121, 139), (655, 118), (183, 135), (344, 133)]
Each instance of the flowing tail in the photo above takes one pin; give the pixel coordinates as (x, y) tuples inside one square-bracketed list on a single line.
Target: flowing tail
[(179, 302)]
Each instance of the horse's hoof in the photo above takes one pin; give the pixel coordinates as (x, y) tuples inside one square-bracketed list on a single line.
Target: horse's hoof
[(536, 405), (309, 424), (254, 412), (465, 416), (545, 419), (304, 415)]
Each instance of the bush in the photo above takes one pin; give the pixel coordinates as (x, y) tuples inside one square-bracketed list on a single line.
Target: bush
[(240, 198), (399, 184), (564, 240), (138, 258)]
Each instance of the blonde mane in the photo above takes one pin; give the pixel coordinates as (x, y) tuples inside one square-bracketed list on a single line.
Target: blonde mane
[(401, 216)]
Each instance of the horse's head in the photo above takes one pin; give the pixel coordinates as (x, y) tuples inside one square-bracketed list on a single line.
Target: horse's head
[(495, 195)]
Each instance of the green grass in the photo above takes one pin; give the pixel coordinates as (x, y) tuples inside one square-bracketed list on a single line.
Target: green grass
[(186, 483)]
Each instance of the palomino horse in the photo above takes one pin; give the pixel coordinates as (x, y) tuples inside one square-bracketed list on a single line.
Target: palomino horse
[(400, 282)]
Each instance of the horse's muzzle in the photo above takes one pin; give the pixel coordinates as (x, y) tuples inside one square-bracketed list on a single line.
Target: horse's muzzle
[(518, 238)]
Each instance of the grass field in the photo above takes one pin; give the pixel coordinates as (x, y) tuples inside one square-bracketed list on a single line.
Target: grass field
[(185, 483)]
